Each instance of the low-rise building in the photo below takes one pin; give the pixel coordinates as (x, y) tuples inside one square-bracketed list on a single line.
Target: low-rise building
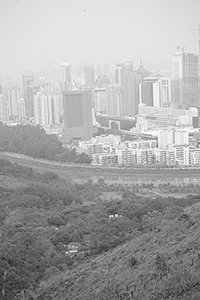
[(105, 159)]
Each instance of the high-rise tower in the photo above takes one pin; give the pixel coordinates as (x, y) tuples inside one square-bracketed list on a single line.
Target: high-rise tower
[(89, 75), (77, 108), (185, 81), (66, 75), (28, 78)]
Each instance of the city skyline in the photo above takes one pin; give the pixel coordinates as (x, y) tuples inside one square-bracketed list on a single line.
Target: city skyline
[(36, 32)]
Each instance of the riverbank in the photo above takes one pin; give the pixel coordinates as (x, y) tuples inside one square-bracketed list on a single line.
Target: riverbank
[(132, 171), (110, 175)]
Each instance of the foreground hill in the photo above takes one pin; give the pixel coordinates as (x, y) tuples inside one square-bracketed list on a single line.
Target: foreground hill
[(128, 247), (163, 263)]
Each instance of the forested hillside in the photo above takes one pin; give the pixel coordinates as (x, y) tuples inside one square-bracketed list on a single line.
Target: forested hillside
[(130, 246), (34, 142)]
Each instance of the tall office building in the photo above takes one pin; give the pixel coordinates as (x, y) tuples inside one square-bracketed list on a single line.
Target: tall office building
[(185, 88), (142, 71), (28, 96), (77, 116), (66, 79), (118, 79), (114, 100), (89, 75), (3, 109), (14, 97), (21, 112), (129, 80), (109, 100)]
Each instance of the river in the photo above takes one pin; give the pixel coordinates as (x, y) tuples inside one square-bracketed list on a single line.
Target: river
[(82, 175)]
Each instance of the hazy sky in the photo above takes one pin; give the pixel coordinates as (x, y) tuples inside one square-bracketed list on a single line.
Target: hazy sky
[(33, 32)]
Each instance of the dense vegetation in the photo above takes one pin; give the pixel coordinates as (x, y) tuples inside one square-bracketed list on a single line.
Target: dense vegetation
[(34, 142), (123, 242)]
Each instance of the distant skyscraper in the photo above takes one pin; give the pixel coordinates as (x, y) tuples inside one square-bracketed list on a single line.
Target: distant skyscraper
[(185, 88), (3, 108), (142, 71), (114, 100), (118, 72), (130, 81), (108, 100), (28, 97), (77, 117), (14, 97), (89, 75), (21, 112), (66, 75)]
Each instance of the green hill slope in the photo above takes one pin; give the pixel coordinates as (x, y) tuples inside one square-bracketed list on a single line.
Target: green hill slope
[(160, 264), (129, 247)]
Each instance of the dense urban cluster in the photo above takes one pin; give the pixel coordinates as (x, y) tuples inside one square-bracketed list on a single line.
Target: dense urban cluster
[(173, 147), (153, 115)]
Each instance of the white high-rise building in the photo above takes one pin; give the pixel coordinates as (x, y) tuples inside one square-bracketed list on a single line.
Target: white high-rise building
[(172, 135), (46, 109), (165, 137)]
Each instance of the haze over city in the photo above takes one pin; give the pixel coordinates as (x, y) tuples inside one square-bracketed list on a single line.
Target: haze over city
[(35, 32), (100, 149)]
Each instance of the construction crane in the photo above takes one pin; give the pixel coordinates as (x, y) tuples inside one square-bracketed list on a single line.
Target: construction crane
[(199, 35)]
